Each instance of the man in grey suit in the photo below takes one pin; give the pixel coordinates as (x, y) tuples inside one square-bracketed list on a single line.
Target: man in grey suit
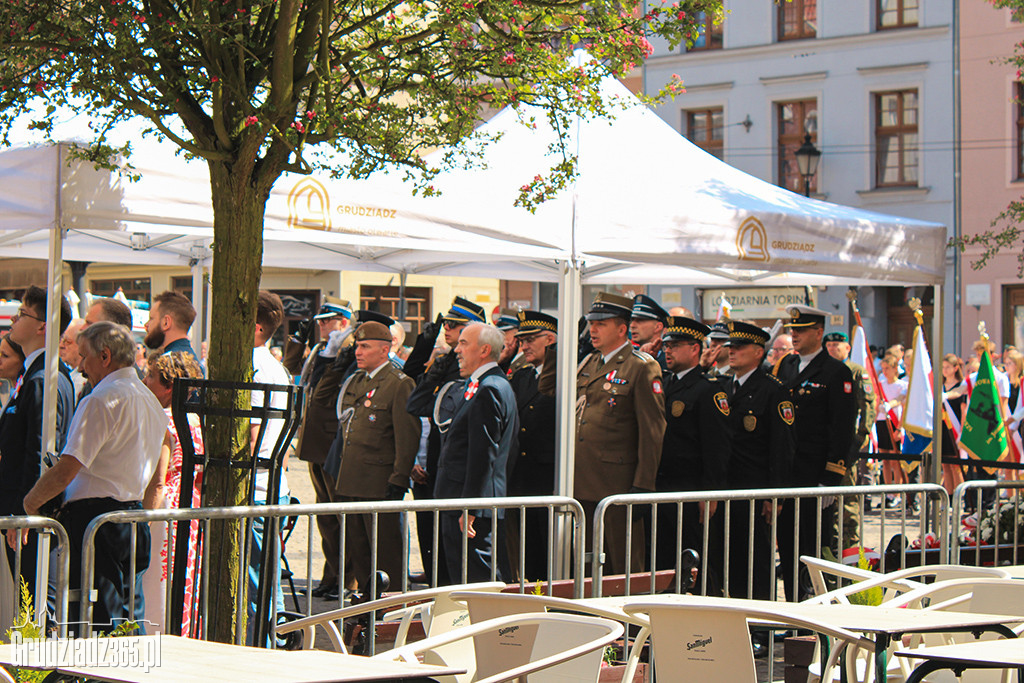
[(475, 451)]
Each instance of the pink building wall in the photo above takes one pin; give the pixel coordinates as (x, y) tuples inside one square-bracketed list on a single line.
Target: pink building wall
[(989, 138)]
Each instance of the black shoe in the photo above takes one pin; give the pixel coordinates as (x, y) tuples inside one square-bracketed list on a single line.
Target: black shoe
[(759, 642), (324, 589)]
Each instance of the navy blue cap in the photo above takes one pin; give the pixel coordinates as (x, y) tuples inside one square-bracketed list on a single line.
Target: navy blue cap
[(719, 331), (646, 308), (531, 322), (506, 320), (679, 328), (363, 315), (741, 333), (465, 311)]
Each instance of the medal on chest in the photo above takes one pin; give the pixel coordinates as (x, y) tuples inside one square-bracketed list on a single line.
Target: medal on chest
[(369, 398), (471, 390), (17, 385)]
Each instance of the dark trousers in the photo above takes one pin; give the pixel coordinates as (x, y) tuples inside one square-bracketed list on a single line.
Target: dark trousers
[(479, 551), (748, 568), (670, 541), (534, 544), (112, 578), (328, 525), (425, 536), (28, 563), (806, 544)]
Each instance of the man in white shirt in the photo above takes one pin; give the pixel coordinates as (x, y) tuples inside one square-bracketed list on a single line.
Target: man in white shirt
[(266, 370), (107, 463)]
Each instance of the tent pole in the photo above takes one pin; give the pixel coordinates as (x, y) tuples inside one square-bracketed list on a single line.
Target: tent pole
[(565, 403), (53, 296), (196, 263), (937, 353)]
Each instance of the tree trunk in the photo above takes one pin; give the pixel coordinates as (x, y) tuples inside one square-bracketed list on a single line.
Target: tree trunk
[(238, 210)]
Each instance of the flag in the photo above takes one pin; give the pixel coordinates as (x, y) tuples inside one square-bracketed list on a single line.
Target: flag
[(984, 434), (724, 309), (860, 353), (918, 405)]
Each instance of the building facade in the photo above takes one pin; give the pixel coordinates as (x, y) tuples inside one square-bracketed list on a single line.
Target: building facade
[(992, 131), (869, 81)]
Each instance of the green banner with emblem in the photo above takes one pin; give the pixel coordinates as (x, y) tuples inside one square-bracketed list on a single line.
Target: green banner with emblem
[(984, 434)]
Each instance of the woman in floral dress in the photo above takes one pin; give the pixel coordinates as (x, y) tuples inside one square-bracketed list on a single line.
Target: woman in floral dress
[(161, 372)]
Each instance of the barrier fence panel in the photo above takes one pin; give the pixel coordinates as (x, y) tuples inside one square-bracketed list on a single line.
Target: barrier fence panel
[(49, 586), (987, 519), (754, 531), (552, 508)]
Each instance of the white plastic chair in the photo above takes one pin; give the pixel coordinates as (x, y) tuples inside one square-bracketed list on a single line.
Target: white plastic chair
[(894, 583), (548, 648), (439, 613), (483, 606), (708, 639)]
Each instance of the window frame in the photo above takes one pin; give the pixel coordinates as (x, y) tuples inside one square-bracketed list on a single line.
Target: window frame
[(712, 145), (714, 35), (793, 141), (897, 131), (799, 9), (1018, 121), (901, 10)]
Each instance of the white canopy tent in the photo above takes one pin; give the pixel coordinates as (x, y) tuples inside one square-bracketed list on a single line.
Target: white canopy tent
[(644, 195)]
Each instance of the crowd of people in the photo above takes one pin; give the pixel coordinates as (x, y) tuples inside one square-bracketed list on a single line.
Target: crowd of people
[(664, 403)]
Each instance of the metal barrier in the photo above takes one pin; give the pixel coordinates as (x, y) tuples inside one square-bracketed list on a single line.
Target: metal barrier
[(61, 570), (1003, 539), (716, 539), (558, 509)]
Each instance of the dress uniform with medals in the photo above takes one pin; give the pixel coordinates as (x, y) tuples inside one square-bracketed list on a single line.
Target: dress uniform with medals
[(761, 420), (645, 308), (532, 469), (379, 442), (620, 428), (695, 455), (431, 380), (821, 389)]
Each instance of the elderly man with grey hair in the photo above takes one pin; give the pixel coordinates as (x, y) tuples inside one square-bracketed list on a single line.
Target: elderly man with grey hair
[(107, 464), (475, 449)]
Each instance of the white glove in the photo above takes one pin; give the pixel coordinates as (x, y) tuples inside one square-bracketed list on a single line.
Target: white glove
[(334, 341), (826, 501)]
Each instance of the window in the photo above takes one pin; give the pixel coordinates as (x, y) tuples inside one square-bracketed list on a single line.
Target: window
[(897, 13), (1018, 110), (795, 119), (896, 143), (798, 19), (704, 129), (136, 289), (386, 300), (709, 34)]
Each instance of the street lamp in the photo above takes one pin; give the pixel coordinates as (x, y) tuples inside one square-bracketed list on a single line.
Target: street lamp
[(807, 158)]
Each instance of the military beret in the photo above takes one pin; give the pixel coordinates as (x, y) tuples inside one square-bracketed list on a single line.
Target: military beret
[(836, 337)]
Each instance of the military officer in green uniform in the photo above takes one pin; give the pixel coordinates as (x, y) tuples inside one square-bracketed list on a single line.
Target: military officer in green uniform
[(620, 425), (379, 440), (838, 346)]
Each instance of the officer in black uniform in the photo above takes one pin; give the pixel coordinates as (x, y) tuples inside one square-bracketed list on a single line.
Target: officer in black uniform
[(821, 389), (430, 378), (647, 326), (761, 419), (532, 469), (695, 454)]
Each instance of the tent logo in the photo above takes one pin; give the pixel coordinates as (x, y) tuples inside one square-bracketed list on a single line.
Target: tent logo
[(752, 241), (309, 206)]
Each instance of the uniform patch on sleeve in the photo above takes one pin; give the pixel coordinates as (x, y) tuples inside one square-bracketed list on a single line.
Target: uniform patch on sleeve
[(847, 387), (786, 412), (722, 401), (656, 385)]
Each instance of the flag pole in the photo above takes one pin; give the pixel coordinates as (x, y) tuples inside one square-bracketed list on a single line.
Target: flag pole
[(851, 294)]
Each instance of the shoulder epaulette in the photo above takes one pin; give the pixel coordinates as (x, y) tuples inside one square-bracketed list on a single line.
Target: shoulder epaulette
[(642, 355), (777, 380)]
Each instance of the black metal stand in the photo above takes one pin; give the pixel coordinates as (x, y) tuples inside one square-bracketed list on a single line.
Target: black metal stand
[(196, 397)]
